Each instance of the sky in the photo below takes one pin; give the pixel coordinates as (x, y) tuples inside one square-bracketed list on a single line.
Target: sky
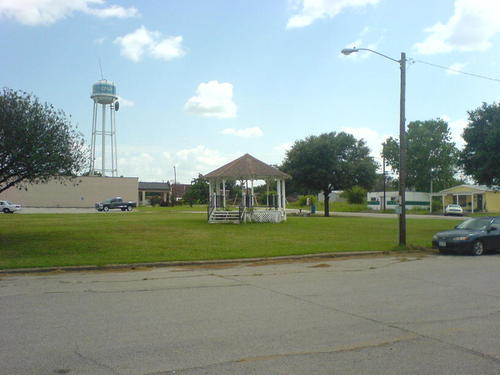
[(202, 82)]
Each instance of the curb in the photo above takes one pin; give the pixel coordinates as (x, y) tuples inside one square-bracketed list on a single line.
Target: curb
[(187, 263)]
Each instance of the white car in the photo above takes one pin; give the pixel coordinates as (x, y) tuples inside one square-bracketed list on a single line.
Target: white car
[(8, 207), (454, 209)]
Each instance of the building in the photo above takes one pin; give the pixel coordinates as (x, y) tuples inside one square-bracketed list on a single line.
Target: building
[(178, 190), (413, 200), (472, 198), (147, 190), (335, 196), (82, 191)]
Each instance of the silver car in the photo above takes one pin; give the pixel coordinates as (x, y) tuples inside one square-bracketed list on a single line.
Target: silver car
[(454, 209), (8, 207)]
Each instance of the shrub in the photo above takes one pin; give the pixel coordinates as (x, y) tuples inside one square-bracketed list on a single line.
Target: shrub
[(303, 200), (355, 194), (155, 200)]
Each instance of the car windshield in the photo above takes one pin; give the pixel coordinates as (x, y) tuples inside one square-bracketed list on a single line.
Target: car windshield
[(453, 206), (478, 224)]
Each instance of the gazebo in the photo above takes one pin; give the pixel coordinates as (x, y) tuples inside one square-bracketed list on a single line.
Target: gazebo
[(246, 170)]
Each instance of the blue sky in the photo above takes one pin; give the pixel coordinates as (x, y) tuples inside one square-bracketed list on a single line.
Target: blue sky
[(202, 82)]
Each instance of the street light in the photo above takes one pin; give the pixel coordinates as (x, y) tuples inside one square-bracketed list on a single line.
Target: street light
[(402, 137)]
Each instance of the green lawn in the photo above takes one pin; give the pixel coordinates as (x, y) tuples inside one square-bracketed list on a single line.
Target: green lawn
[(150, 235)]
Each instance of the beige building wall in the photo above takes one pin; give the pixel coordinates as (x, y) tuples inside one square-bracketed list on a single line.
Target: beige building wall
[(80, 192), (492, 201)]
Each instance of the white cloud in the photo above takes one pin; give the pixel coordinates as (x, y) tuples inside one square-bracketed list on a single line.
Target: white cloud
[(470, 28), (201, 159), (168, 49), (281, 150), (125, 102), (46, 12), (456, 129), (156, 164), (283, 147), (213, 99), (113, 11), (455, 68), (372, 138), (312, 10), (142, 41), (248, 132)]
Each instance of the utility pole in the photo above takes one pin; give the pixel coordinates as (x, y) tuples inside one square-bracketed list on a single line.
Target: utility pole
[(402, 138), (402, 152), (383, 172)]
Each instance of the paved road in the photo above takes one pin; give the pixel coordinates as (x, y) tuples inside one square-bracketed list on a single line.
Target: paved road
[(380, 315)]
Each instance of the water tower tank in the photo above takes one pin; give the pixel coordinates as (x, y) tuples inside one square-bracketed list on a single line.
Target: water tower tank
[(104, 92)]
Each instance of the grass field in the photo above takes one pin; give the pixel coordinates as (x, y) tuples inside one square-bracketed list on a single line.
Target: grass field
[(151, 235)]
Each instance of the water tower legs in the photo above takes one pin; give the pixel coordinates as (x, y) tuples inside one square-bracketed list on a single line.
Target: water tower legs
[(104, 134)]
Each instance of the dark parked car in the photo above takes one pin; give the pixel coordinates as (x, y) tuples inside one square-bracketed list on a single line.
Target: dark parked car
[(474, 236), (115, 203)]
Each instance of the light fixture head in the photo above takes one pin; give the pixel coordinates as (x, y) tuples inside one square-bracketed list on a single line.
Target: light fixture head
[(348, 51)]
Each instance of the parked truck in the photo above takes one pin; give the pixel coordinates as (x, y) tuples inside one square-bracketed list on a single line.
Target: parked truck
[(115, 203)]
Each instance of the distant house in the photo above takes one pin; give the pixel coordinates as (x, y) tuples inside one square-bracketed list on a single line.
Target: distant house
[(149, 189), (472, 198), (335, 196), (413, 199), (178, 190)]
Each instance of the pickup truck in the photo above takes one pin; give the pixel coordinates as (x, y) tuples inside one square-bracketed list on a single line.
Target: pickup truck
[(115, 203)]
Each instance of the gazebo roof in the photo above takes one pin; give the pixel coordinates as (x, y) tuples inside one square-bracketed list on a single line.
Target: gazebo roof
[(246, 167)]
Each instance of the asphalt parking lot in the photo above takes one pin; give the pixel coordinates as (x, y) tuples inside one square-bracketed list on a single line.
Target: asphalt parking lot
[(411, 314)]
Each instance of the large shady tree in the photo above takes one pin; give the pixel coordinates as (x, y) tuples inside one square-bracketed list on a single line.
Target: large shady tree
[(431, 155), (330, 161), (37, 142), (480, 157)]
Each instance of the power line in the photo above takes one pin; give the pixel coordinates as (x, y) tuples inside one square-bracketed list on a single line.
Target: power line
[(455, 70)]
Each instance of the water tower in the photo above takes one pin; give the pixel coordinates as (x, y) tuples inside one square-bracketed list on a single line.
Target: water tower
[(104, 95)]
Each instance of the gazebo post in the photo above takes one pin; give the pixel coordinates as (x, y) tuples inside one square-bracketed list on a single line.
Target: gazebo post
[(243, 195), (283, 193), (278, 183), (267, 195), (251, 192), (224, 193), (210, 188)]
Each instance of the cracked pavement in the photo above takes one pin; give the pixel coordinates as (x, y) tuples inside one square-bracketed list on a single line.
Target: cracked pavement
[(410, 314)]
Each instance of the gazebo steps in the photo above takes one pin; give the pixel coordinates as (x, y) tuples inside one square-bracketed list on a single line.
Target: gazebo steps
[(225, 217)]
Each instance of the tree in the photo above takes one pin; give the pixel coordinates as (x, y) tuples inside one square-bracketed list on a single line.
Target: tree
[(430, 154), (330, 161), (197, 192), (480, 157), (37, 142)]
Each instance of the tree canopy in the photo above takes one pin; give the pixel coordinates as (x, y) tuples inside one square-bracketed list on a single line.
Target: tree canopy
[(197, 192), (430, 152), (37, 141), (480, 157), (330, 161)]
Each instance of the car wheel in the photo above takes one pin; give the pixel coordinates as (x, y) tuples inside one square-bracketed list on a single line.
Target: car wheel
[(6, 211), (129, 208), (105, 208), (123, 208), (477, 248)]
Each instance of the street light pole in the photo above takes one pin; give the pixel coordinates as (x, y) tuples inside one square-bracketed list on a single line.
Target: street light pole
[(402, 138), (402, 152)]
